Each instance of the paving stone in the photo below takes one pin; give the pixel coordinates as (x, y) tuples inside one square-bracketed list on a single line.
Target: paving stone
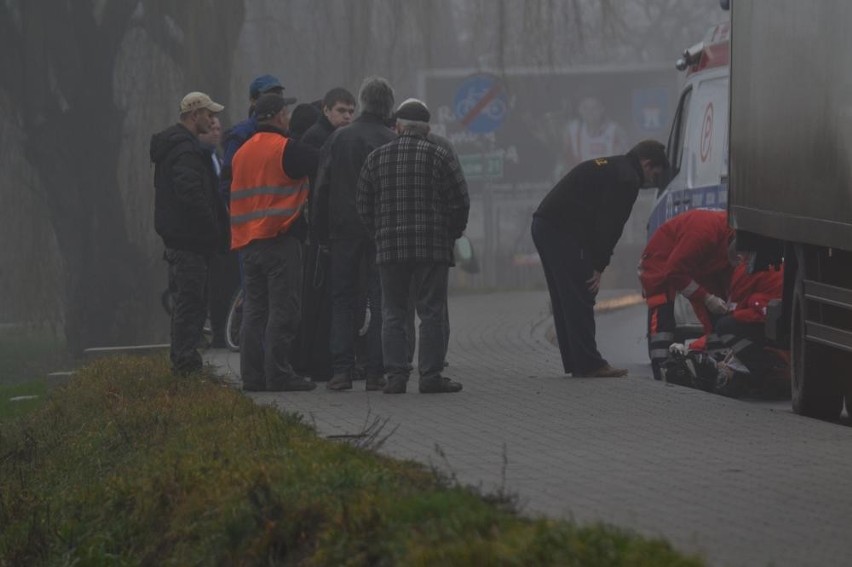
[(740, 483)]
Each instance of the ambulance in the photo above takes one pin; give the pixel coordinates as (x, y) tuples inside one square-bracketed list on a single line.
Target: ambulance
[(697, 146), (698, 141)]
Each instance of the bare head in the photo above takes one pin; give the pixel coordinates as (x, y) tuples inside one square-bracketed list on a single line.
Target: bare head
[(652, 157), (376, 97), (591, 110), (338, 106)]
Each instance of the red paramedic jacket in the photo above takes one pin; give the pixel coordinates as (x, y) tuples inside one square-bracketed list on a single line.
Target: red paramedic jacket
[(687, 255)]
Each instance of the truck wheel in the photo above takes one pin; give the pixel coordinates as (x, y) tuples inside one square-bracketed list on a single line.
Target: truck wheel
[(815, 388)]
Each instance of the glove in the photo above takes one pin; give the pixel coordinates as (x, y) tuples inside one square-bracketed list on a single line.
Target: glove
[(715, 305)]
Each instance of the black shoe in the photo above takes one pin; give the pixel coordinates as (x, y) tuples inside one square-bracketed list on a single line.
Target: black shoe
[(439, 385), (339, 382), (374, 383), (396, 385), (254, 388), (294, 384)]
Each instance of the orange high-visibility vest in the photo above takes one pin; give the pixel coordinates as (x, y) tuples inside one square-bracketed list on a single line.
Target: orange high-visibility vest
[(265, 201)]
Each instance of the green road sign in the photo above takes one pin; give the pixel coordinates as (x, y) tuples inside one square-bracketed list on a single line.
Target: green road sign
[(480, 166)]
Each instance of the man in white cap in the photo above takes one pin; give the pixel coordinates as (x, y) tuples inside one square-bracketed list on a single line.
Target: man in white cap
[(192, 220)]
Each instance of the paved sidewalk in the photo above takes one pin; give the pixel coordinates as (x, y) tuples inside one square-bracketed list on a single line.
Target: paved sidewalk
[(740, 483)]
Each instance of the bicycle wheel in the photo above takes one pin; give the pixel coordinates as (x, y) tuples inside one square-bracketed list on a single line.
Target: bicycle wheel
[(234, 322)]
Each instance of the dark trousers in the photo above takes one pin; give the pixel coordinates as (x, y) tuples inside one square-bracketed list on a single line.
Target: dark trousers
[(224, 282), (430, 282), (272, 272), (566, 269), (410, 326), (347, 259), (188, 272), (311, 355)]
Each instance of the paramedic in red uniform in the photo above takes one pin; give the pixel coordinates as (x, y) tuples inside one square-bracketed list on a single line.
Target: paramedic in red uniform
[(575, 230), (690, 255), (268, 193)]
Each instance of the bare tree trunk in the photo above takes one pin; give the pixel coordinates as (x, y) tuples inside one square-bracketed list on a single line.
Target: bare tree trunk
[(58, 67)]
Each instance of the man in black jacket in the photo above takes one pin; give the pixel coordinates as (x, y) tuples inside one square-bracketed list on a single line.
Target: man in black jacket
[(350, 244), (575, 230), (192, 220), (338, 109)]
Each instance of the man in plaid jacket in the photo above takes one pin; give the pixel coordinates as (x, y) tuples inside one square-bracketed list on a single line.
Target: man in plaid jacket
[(412, 197)]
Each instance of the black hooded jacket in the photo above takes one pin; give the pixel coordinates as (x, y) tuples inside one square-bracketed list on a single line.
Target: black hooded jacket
[(189, 214), (317, 134)]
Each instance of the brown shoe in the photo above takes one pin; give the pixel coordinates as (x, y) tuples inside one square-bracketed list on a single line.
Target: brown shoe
[(607, 371)]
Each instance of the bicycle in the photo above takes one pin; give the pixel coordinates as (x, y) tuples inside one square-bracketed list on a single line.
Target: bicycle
[(234, 321)]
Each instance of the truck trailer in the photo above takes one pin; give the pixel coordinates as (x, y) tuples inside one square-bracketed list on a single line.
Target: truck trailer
[(790, 181)]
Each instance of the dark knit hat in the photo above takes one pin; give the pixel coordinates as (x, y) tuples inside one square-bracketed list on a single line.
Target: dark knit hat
[(413, 109), (269, 105), (303, 117)]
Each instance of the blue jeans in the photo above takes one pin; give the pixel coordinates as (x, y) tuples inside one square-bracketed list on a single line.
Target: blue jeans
[(352, 267), (566, 269), (430, 281)]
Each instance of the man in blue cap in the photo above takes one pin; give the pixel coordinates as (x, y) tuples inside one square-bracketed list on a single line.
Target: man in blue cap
[(237, 135), (225, 270)]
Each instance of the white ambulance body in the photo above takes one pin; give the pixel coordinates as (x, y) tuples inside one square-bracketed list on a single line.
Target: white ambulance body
[(698, 145)]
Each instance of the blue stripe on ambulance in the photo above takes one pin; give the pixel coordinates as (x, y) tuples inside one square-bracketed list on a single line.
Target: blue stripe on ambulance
[(675, 202)]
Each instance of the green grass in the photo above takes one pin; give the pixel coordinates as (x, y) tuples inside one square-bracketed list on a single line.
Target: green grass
[(126, 465), (30, 396), (29, 353)]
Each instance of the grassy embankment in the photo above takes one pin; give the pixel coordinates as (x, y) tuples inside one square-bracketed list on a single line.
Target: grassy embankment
[(126, 465), (27, 355)]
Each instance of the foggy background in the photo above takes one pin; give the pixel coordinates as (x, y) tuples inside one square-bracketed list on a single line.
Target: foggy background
[(84, 84)]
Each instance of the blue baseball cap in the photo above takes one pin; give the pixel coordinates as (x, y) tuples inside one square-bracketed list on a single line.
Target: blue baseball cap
[(264, 84)]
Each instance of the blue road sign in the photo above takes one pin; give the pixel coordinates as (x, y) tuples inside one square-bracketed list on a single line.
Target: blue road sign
[(650, 109), (481, 103)]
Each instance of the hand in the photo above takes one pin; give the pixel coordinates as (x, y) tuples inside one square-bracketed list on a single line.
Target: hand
[(594, 282), (715, 305)]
